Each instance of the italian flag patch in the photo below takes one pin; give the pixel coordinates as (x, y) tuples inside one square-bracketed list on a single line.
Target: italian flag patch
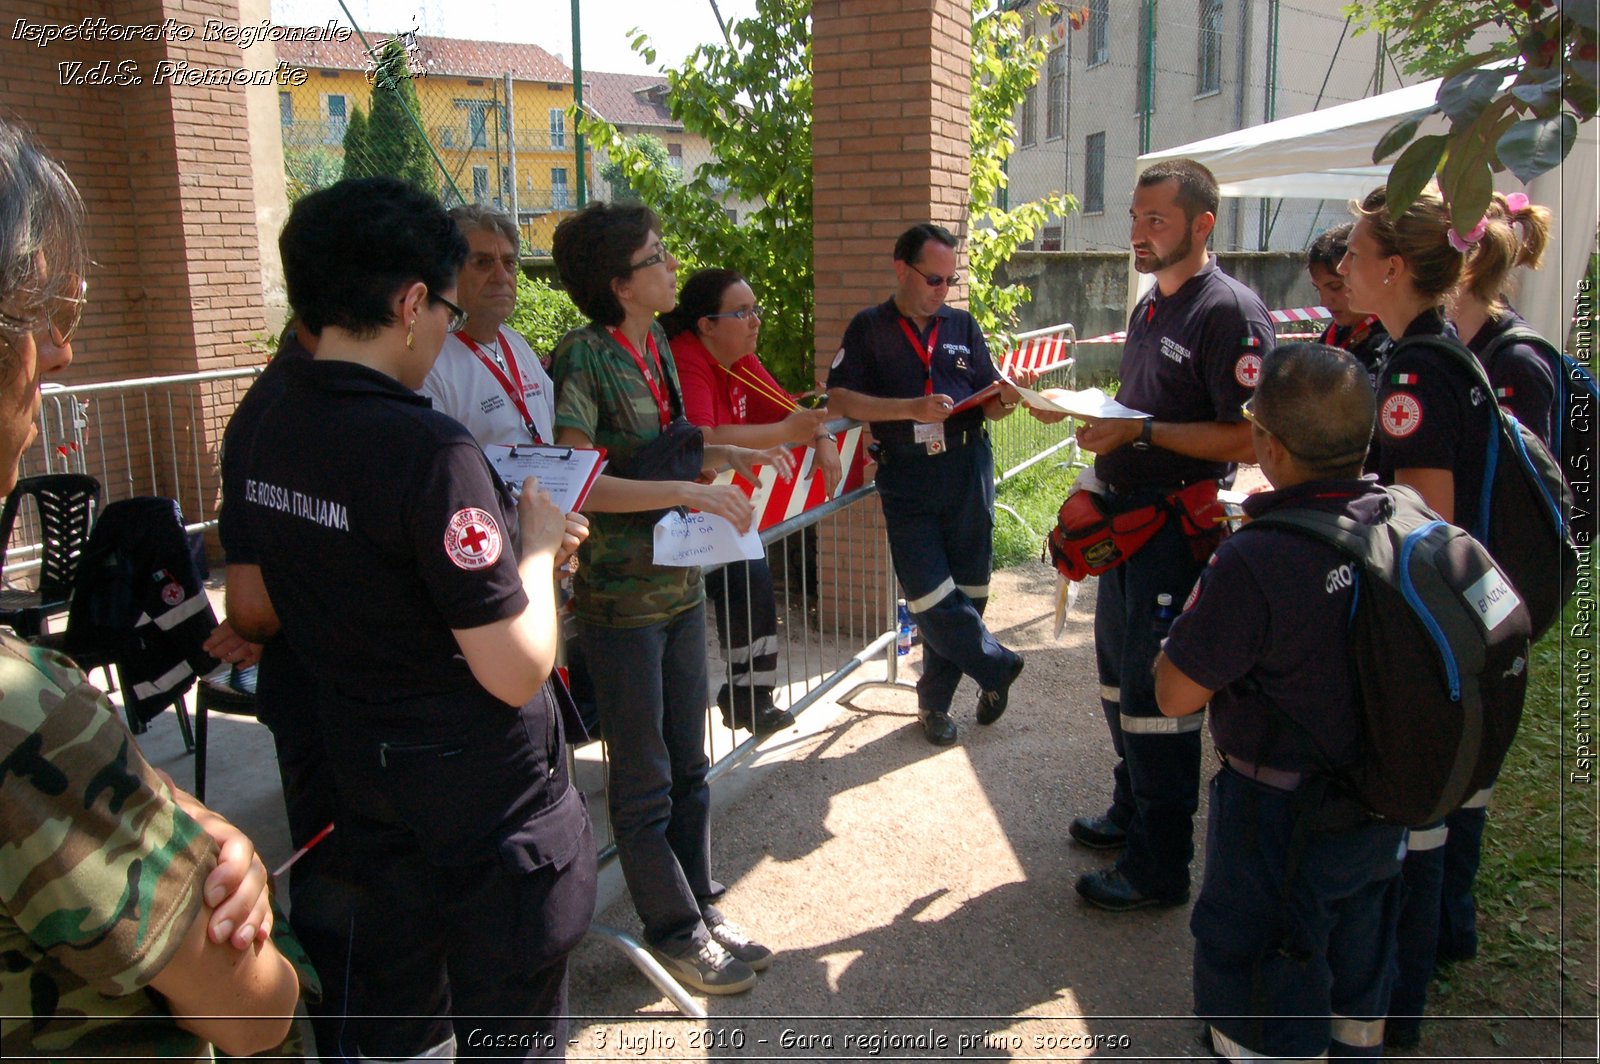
[(1503, 393), (1403, 378)]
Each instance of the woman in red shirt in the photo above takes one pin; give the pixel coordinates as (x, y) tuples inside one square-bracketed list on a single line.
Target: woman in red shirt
[(732, 397)]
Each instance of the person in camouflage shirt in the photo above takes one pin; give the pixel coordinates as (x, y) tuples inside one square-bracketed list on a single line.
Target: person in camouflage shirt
[(109, 945), (642, 626)]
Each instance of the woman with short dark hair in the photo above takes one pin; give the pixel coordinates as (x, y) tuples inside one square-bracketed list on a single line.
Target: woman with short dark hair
[(642, 625)]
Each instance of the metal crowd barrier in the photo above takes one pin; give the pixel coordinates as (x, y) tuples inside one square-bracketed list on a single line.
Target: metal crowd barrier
[(143, 436), (1021, 441)]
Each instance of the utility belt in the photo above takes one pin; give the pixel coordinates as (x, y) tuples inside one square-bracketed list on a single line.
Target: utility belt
[(901, 447), (1094, 534), (1277, 778)]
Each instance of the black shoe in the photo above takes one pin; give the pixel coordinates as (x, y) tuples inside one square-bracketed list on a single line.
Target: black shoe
[(993, 703), (1108, 889), (938, 727), (1098, 833), (768, 719), (733, 938)]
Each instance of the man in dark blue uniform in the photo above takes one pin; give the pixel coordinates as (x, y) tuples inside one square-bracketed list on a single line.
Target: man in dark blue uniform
[(905, 366), (1294, 927), (1194, 350), (388, 552)]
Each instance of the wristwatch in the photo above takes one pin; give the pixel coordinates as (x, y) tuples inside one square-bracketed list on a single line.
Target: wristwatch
[(819, 437), (1146, 430)]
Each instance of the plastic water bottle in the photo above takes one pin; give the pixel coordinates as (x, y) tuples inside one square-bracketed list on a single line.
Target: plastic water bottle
[(1165, 614), (902, 641)]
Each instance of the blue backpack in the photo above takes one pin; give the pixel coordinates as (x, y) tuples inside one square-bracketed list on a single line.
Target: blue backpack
[(1572, 423), (1525, 508)]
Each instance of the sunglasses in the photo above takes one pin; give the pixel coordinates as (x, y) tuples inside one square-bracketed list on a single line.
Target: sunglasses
[(743, 314), (458, 317), (1247, 409), (654, 260), (935, 280), (1314, 461), (60, 314)]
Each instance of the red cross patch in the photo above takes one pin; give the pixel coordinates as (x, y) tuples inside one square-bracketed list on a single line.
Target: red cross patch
[(1247, 371), (472, 539), (1401, 415)]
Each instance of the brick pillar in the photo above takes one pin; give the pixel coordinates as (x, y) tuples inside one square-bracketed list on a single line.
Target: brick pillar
[(890, 146), (165, 171)]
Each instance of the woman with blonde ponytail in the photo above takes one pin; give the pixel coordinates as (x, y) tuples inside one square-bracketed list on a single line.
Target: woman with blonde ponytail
[(1521, 368)]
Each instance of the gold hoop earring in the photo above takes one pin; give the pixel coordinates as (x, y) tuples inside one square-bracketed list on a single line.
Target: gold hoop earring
[(411, 332)]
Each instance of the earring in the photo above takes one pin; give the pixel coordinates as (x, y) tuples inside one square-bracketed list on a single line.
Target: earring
[(1386, 280), (411, 332)]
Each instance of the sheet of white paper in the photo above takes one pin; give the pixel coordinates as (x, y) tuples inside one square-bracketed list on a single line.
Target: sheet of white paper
[(1088, 403), (564, 472), (703, 539)]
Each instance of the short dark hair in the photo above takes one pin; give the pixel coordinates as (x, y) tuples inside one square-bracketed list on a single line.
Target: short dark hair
[(1328, 249), (348, 248), (909, 244), (595, 247), (700, 295), (1318, 401), (1197, 186)]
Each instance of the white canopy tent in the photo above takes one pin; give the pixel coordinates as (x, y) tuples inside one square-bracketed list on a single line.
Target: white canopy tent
[(1327, 154)]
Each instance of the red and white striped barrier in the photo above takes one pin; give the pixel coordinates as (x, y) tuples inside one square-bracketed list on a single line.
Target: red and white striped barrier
[(777, 501), (1038, 353)]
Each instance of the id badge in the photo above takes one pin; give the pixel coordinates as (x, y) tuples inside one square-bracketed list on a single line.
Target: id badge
[(930, 435)]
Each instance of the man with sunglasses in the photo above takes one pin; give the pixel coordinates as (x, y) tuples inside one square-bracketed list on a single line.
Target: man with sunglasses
[(1294, 929), (1193, 354), (904, 366)]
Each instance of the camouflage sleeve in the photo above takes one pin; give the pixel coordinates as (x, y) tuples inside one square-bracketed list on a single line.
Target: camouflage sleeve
[(577, 402), (103, 873)]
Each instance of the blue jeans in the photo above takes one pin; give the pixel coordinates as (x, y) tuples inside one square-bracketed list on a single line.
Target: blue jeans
[(1292, 974), (1156, 783), (652, 697)]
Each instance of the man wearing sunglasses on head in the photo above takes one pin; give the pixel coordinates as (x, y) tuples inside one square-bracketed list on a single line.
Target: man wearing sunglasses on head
[(904, 366)]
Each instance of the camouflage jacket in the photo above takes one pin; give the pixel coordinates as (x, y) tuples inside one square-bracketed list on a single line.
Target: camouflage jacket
[(600, 392), (100, 872)]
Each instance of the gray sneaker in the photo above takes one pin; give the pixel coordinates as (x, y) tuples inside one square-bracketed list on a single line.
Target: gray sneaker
[(733, 938), (708, 968)]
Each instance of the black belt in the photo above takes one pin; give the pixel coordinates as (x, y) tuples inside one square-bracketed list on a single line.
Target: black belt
[(957, 438), (1277, 778)]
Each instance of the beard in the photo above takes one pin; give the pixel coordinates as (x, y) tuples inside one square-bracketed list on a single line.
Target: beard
[(1155, 263)]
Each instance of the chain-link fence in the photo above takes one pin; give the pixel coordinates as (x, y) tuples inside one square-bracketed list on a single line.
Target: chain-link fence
[(1125, 77), (475, 121)]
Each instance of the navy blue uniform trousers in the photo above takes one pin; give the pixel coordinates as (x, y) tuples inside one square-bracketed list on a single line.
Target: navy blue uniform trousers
[(1293, 973), (1156, 787), (939, 512)]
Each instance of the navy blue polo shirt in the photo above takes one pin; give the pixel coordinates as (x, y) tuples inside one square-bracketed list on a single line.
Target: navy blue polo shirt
[(379, 526), (1367, 340), (1432, 416), (1522, 374), (877, 359), (1266, 629), (1192, 356)]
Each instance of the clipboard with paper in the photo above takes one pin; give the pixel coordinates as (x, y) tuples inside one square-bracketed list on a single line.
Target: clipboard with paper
[(1088, 403), (567, 473)]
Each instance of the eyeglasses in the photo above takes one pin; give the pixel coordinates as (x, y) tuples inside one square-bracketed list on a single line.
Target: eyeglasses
[(742, 314), (60, 313), (1250, 415), (458, 317), (1330, 461), (654, 260), (935, 280)]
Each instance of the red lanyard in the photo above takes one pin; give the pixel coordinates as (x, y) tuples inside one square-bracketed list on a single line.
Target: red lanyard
[(651, 380), (510, 379), (924, 353)]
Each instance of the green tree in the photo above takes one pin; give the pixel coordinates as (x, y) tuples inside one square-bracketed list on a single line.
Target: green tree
[(392, 141), (357, 160), (544, 314), (615, 173), (1005, 64), (308, 169), (750, 97), (1514, 102)]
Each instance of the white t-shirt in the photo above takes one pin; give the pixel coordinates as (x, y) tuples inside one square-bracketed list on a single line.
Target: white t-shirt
[(462, 386)]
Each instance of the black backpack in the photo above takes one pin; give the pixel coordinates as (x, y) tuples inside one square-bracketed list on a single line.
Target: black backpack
[(1525, 508), (1438, 644), (1572, 423)]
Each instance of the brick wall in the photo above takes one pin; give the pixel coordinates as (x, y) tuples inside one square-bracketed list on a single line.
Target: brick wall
[(890, 145), (165, 172)]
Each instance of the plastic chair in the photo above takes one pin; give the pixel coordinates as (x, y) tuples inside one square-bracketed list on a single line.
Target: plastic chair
[(227, 690), (67, 504)]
